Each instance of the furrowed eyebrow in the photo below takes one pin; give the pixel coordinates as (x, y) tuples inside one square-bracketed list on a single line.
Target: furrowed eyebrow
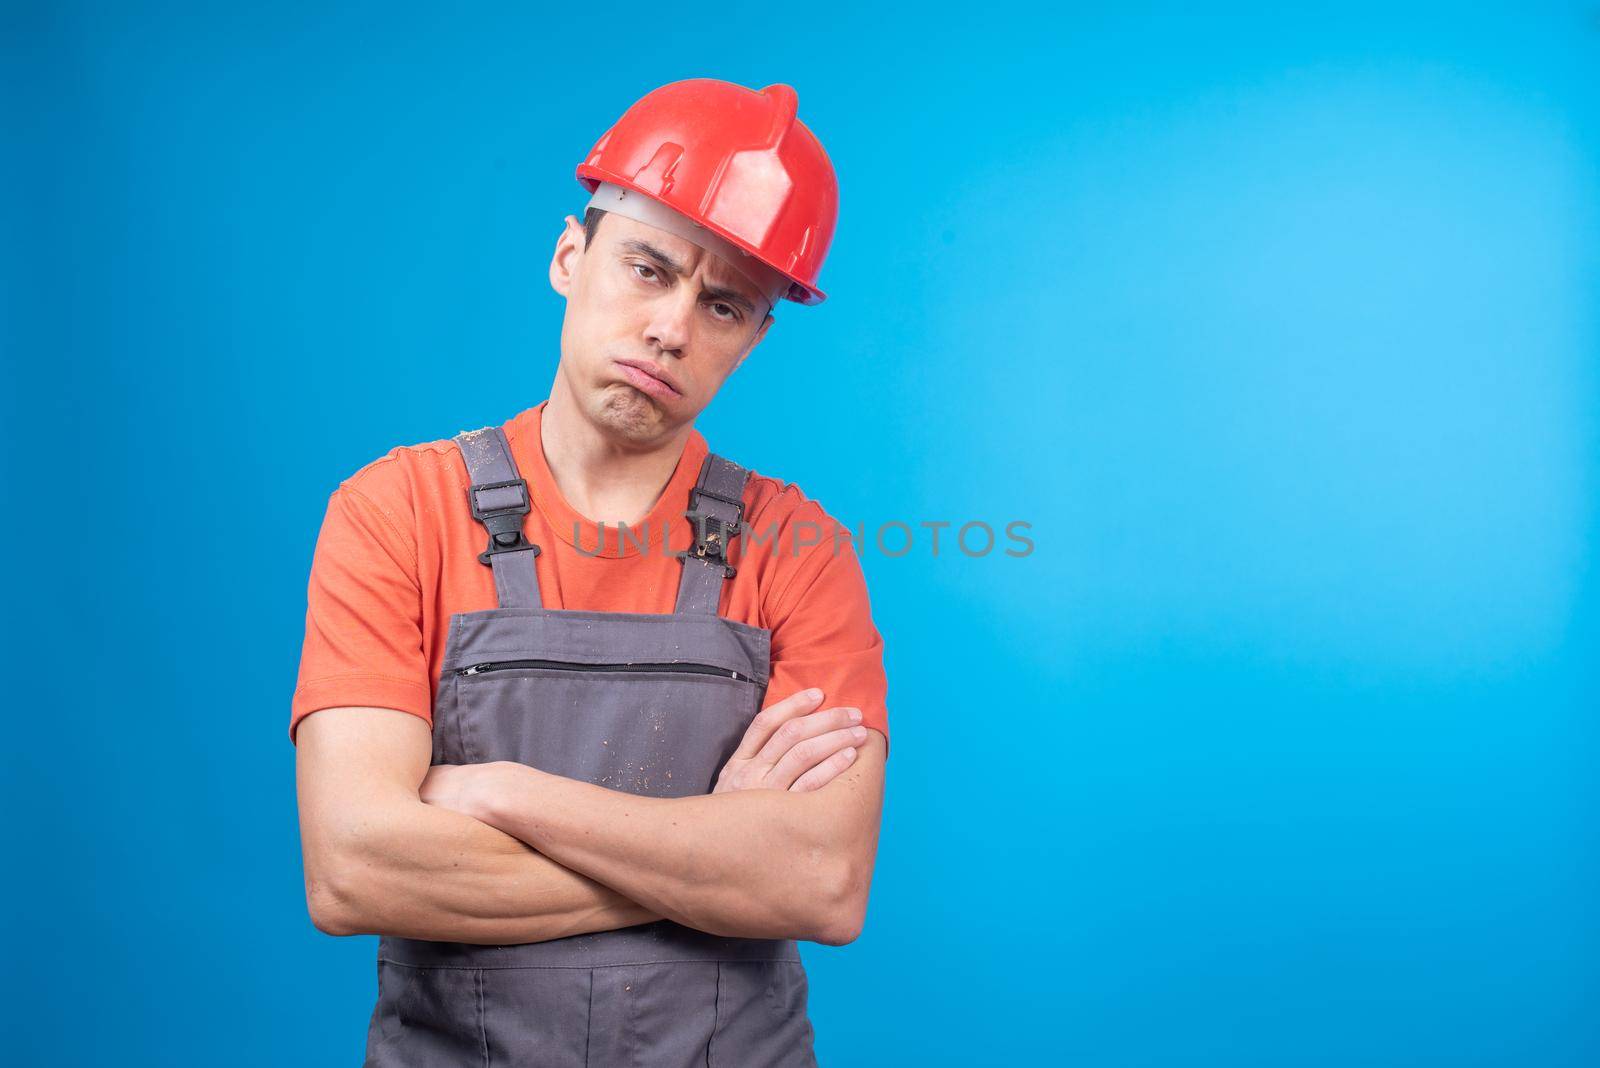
[(645, 248), (731, 296), (722, 293)]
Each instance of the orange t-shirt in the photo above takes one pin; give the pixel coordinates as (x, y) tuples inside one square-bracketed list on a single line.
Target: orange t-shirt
[(398, 555)]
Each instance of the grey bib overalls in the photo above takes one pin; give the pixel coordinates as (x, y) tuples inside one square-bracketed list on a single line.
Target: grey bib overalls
[(648, 703)]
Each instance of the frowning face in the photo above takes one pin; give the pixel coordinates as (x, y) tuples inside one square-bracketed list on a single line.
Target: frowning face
[(654, 325)]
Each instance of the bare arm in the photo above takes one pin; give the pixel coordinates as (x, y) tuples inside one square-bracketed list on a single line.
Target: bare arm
[(379, 860), (757, 863)]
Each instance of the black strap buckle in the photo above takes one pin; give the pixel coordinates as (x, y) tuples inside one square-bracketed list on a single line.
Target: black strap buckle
[(711, 537), (500, 506)]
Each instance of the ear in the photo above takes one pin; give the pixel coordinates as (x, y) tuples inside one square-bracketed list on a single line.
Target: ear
[(568, 254)]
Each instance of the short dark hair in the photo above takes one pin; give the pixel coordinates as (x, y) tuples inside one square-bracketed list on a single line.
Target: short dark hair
[(591, 223)]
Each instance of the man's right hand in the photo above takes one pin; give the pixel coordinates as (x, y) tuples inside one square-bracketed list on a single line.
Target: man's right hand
[(788, 746)]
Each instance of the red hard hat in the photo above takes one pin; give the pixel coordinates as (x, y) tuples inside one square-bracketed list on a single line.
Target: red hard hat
[(737, 162)]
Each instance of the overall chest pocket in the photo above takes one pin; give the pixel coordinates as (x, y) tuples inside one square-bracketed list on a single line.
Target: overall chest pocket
[(657, 728)]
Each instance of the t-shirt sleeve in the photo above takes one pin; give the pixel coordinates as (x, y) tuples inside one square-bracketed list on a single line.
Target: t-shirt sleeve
[(363, 642), (823, 634)]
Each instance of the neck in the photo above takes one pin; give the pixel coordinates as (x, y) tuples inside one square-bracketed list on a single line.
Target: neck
[(605, 478)]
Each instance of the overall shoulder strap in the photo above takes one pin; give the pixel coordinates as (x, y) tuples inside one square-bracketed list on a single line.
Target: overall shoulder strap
[(716, 510), (499, 500)]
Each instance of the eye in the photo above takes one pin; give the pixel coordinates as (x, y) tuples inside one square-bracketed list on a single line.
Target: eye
[(637, 267), (731, 317)]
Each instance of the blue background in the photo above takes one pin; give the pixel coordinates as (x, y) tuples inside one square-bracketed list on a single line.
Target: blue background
[(1279, 328)]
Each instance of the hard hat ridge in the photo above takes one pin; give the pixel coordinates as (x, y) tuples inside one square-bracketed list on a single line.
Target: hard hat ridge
[(735, 162)]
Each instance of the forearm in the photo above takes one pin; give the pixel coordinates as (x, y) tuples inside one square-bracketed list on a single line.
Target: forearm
[(418, 871), (748, 863)]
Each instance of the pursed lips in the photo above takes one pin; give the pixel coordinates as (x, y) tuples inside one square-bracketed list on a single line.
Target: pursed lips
[(649, 378)]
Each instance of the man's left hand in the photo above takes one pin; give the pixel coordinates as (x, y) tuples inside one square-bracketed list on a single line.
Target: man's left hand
[(463, 788)]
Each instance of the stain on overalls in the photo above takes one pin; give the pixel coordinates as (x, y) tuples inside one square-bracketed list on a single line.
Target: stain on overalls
[(647, 703)]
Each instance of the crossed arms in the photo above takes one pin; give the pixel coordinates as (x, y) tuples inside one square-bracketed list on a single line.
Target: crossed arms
[(503, 853)]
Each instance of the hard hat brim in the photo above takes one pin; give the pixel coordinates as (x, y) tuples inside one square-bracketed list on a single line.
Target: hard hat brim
[(590, 178)]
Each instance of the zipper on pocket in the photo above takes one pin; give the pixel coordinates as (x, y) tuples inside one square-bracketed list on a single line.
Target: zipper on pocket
[(569, 665)]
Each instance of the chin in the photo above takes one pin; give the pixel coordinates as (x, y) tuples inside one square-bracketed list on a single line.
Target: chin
[(629, 413)]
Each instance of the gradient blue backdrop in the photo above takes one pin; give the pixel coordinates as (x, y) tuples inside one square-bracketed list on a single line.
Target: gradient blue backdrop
[(1279, 328)]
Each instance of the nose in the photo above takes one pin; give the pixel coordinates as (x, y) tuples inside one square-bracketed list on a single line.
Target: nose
[(671, 320)]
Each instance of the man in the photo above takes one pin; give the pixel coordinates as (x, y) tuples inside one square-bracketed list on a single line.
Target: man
[(537, 768)]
